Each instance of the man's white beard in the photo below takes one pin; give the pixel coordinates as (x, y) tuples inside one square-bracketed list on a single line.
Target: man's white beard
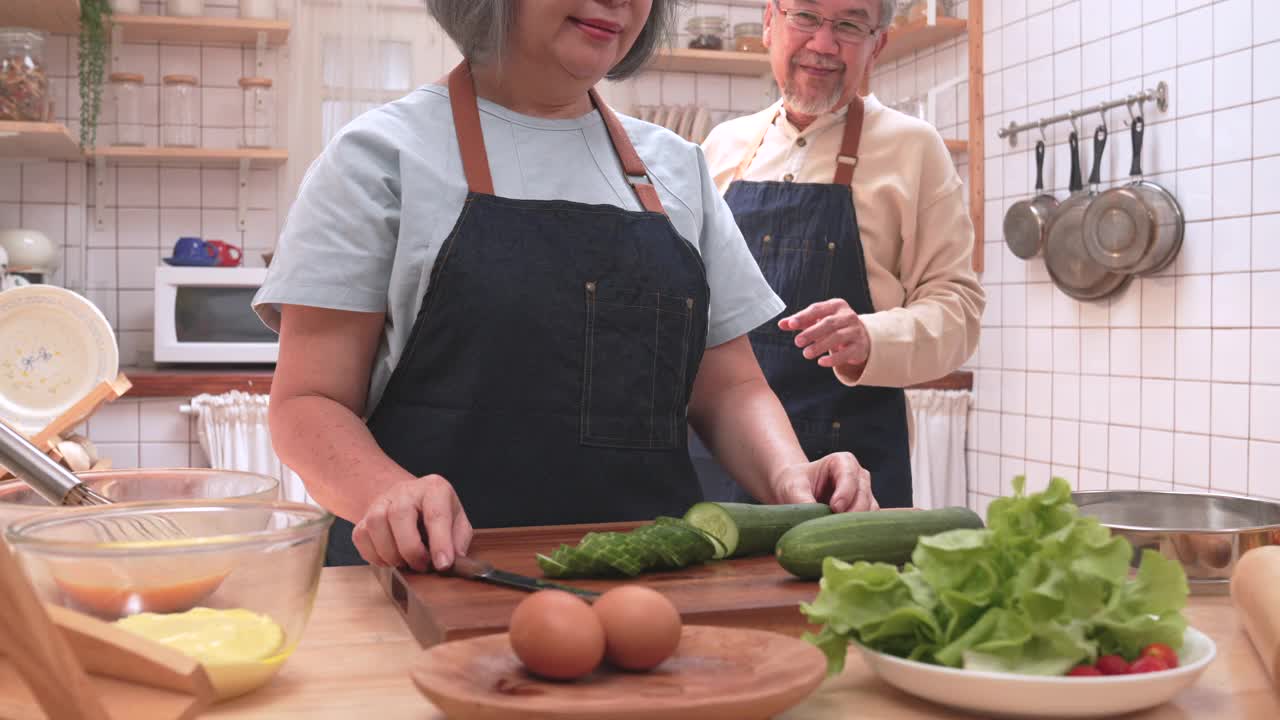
[(813, 105)]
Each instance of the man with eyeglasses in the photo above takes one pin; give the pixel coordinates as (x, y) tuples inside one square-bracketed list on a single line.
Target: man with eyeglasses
[(856, 215)]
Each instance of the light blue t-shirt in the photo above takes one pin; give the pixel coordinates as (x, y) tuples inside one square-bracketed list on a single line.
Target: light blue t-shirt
[(378, 203)]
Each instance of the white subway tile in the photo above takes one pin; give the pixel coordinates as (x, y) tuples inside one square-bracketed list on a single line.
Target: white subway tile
[(1015, 349), (1158, 302), (123, 455), (1195, 35), (1232, 191), (1126, 401), (218, 188), (1124, 454), (1266, 348), (1195, 192), (1013, 39), (1126, 352), (1158, 353), (1095, 398), (180, 187), (1066, 26), (1157, 455), (989, 473), (991, 348), (164, 455), (1157, 404), (44, 182), (1230, 408), (1232, 26), (162, 423), (1231, 245), (1095, 17), (138, 187), (1066, 395), (1066, 310), (989, 431), (1229, 465), (1068, 72), (1039, 29), (102, 268), (138, 269), (1232, 80), (221, 107), (1013, 394), (1266, 178), (1039, 305), (1266, 299), (1126, 55), (1095, 314), (1039, 440), (1196, 88), (1009, 469), (1266, 82), (1040, 394), (1066, 442), (1040, 82), (177, 223), (1266, 21), (1093, 446), (1233, 135), (1040, 349), (222, 66), (1014, 84), (1013, 434), (1012, 10), (1125, 15), (220, 225), (1231, 300), (115, 422), (713, 91), (1066, 350), (1264, 458), (681, 88), (1160, 45), (1266, 118), (1126, 308), (1095, 351), (986, 386), (1264, 414), (1192, 407), (1191, 460), (1196, 255), (136, 308), (49, 219), (1092, 480), (137, 227), (1231, 355)]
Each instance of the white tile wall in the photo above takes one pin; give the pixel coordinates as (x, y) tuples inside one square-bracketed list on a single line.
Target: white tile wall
[(1178, 378)]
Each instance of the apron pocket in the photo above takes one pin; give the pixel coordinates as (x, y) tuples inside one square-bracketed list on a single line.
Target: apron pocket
[(798, 270), (635, 367)]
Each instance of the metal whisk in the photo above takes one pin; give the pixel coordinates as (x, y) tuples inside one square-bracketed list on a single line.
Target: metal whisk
[(60, 487)]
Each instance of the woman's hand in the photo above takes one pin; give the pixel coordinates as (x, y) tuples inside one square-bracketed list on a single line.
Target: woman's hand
[(390, 533), (836, 479), (832, 333)]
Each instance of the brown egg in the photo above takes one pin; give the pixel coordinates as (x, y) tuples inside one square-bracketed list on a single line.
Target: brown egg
[(641, 626), (557, 635)]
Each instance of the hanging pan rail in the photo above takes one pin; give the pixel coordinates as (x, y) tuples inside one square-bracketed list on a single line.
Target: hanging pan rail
[(1159, 95)]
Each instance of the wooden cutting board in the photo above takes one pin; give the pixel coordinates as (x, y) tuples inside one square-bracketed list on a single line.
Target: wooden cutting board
[(750, 592)]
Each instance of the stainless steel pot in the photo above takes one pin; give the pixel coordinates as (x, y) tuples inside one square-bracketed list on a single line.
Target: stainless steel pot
[(1137, 228), (1026, 222), (1065, 257), (1205, 533)]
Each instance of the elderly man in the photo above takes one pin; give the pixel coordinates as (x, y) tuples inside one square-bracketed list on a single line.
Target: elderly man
[(856, 215)]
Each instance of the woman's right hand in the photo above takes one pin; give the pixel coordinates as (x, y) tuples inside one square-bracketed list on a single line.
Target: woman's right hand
[(390, 533)]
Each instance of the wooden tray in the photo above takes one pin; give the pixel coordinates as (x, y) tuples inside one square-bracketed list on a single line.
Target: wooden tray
[(716, 674), (751, 592)]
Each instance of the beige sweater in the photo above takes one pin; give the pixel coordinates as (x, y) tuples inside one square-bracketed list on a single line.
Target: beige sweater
[(916, 233)]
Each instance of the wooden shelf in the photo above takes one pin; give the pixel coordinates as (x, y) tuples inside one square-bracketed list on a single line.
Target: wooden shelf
[(711, 61), (35, 141), (259, 157), (918, 35), (957, 146), (191, 381), (58, 16), (195, 30)]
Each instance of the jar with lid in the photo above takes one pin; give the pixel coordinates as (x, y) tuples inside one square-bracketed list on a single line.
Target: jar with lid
[(259, 112), (749, 37), (707, 32), (185, 8), (24, 84), (126, 7), (179, 108), (258, 9), (126, 100)]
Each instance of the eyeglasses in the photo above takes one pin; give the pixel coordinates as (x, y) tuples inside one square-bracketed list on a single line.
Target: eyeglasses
[(846, 31)]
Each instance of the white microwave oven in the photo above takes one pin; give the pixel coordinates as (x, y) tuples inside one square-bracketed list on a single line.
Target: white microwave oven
[(203, 315)]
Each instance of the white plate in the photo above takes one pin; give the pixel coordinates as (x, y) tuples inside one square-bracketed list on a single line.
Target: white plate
[(55, 346), (1024, 696)]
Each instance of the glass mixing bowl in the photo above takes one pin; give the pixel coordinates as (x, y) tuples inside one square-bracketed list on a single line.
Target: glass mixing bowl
[(229, 582), (18, 500)]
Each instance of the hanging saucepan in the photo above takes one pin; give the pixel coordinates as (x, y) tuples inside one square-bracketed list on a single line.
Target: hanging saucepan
[(1026, 222), (1069, 264), (1136, 228)]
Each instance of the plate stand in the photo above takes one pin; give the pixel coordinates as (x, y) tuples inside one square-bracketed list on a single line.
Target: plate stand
[(60, 664), (52, 434)]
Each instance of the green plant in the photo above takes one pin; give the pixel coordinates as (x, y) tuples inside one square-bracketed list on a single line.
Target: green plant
[(93, 59)]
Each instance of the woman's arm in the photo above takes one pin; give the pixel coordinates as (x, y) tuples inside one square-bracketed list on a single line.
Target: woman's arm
[(739, 418), (317, 397)]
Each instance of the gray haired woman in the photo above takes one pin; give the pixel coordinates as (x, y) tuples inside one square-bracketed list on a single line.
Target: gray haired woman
[(501, 304)]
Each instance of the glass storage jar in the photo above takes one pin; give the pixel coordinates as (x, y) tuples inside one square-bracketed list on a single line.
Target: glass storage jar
[(126, 7), (126, 99), (179, 107), (749, 37), (24, 84), (258, 9), (259, 112), (186, 8), (706, 32)]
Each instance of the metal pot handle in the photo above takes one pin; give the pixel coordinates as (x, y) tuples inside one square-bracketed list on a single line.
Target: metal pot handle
[(1099, 145), (1039, 166), (1077, 184), (1139, 128)]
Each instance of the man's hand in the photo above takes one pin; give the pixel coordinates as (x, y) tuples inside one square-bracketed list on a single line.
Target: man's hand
[(836, 479), (832, 333)]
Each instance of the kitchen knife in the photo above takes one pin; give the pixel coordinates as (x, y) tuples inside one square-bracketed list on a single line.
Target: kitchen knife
[(473, 569)]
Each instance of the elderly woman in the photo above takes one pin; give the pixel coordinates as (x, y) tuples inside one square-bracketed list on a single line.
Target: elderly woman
[(499, 304)]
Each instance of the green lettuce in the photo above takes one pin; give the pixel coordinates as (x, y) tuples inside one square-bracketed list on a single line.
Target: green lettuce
[(1041, 589)]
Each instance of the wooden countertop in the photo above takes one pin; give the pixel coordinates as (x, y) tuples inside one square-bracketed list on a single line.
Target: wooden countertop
[(191, 381), (354, 662)]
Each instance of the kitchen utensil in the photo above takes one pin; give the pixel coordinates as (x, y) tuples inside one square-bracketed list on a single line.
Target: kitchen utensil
[(1027, 220), (751, 592), (263, 557), (1137, 228), (1206, 533), (1255, 591), (19, 501), (30, 251), (1068, 263), (59, 486), (1032, 696), (716, 672), (55, 346), (472, 569)]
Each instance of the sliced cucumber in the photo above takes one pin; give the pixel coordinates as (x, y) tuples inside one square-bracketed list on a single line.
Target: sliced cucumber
[(746, 529)]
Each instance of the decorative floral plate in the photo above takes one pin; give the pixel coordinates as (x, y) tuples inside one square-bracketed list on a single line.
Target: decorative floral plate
[(55, 346)]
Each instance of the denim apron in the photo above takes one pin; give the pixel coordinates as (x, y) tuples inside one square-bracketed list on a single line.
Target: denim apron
[(805, 238), (549, 369)]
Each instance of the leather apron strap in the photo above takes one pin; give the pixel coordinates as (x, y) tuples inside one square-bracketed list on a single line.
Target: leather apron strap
[(475, 160), (846, 161)]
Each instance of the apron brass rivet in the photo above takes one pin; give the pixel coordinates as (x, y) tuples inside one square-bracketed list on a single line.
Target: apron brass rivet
[(831, 246), (788, 177), (766, 238), (802, 142), (591, 287), (688, 302), (835, 425)]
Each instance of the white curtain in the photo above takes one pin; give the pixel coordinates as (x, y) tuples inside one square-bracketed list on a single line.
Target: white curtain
[(233, 431), (938, 470)]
